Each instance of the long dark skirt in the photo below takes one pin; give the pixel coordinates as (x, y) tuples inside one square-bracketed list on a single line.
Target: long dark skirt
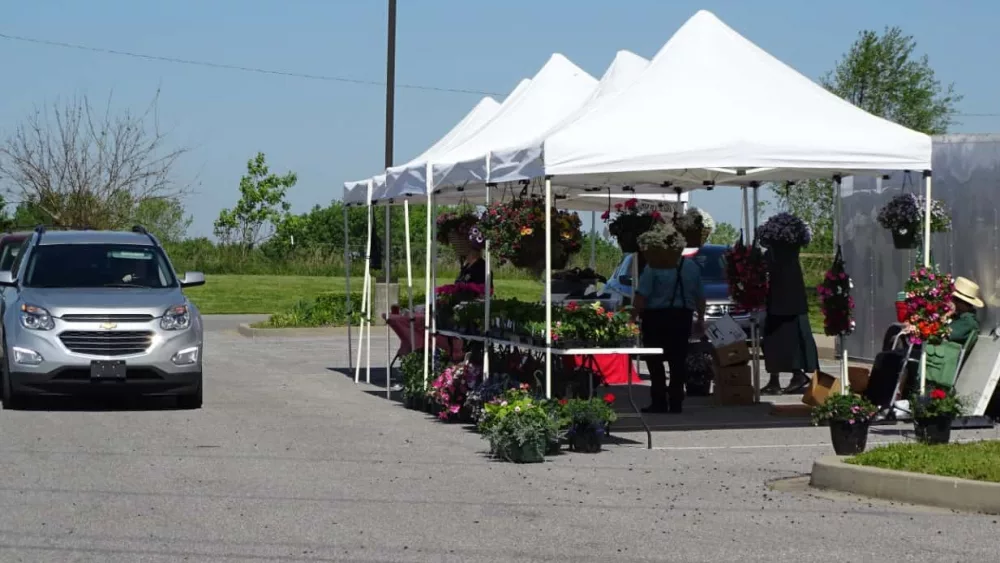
[(789, 345)]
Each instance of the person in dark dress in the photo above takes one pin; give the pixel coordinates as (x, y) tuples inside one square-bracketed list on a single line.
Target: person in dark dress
[(473, 268), (789, 346)]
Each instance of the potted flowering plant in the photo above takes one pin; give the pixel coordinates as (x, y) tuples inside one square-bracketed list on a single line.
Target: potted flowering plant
[(662, 245), (835, 299), (448, 296), (453, 228), (588, 421), (784, 230), (451, 388), (746, 272), (903, 216), (519, 428), (631, 220), (933, 414), (516, 231), (849, 417), (592, 325), (696, 225), (700, 367), (929, 306)]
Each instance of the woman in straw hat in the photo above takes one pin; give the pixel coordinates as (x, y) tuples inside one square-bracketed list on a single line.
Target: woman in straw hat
[(966, 298)]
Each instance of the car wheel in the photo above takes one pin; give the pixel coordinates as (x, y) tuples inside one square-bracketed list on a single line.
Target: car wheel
[(191, 401), (10, 400)]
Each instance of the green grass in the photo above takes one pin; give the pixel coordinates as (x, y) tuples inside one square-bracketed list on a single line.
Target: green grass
[(975, 460), (236, 294), (247, 294)]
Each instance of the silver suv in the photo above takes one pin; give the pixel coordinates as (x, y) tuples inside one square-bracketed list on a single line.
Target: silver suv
[(98, 312)]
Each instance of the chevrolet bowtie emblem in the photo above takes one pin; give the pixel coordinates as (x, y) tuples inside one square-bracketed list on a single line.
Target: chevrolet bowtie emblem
[(109, 326)]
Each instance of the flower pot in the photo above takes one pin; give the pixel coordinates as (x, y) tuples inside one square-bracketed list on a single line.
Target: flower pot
[(585, 440), (662, 257), (628, 241), (905, 239), (935, 430), (528, 452), (848, 439), (554, 447)]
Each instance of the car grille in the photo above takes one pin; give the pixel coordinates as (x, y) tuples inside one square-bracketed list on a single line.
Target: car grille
[(107, 343), (107, 318), (720, 310)]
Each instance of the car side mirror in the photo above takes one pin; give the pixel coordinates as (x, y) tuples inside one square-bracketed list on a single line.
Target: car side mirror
[(625, 280), (192, 279), (7, 279)]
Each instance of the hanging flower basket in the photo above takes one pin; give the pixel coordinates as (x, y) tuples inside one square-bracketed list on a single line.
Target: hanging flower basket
[(904, 217), (662, 246), (929, 306), (835, 299), (453, 229), (746, 272), (697, 225), (784, 229), (516, 231), (632, 218)]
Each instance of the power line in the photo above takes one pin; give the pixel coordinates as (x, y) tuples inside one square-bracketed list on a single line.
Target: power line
[(209, 64), (290, 74)]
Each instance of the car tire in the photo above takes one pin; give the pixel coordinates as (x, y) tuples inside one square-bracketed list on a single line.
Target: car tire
[(191, 401), (10, 400)]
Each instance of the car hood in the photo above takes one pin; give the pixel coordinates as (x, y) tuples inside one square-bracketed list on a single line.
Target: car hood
[(98, 300), (716, 291)]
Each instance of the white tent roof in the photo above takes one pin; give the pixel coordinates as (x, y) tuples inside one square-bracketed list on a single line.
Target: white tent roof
[(714, 106), (410, 179), (356, 193), (524, 161), (557, 90)]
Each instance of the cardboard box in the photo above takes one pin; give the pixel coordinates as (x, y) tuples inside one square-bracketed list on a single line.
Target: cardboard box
[(734, 376), (735, 354), (823, 385), (857, 378), (734, 396), (725, 331)]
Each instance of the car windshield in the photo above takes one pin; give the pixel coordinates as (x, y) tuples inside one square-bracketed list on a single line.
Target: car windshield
[(712, 263), (98, 265), (9, 254)]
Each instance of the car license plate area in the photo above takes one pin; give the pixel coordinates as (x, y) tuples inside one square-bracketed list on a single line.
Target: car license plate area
[(107, 370)]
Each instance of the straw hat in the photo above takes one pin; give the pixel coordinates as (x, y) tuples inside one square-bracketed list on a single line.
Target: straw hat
[(968, 291)]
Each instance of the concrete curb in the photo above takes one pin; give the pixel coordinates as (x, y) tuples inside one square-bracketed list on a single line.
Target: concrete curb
[(250, 332), (915, 488)]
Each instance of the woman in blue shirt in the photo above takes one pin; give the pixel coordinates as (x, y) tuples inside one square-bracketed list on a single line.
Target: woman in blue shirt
[(667, 300)]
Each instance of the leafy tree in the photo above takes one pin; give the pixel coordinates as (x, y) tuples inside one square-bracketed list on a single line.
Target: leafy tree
[(165, 218), (77, 166), (724, 233), (261, 208), (882, 75)]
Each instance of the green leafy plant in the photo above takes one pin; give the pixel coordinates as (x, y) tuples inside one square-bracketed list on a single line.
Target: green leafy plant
[(594, 414), (518, 427), (937, 403), (849, 408), (592, 324)]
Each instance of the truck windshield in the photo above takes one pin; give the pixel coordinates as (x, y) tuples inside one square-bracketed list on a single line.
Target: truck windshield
[(98, 265), (712, 263)]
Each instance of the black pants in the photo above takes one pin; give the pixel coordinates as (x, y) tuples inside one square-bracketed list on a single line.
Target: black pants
[(669, 329)]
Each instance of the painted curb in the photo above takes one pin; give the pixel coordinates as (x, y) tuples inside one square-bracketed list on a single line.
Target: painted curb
[(250, 332), (915, 488)]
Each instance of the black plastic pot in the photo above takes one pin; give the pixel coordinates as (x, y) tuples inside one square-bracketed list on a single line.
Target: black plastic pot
[(905, 240), (849, 439), (935, 430), (586, 441)]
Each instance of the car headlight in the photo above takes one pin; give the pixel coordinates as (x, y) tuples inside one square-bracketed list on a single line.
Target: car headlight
[(36, 318), (177, 317)]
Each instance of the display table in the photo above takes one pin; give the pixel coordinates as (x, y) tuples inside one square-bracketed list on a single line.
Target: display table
[(614, 369)]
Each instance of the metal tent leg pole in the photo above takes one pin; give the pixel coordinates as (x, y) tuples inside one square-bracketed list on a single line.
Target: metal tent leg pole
[(347, 287), (548, 288), (927, 264), (409, 270), (428, 311), (631, 398), (748, 228), (486, 302), (754, 324), (593, 240), (388, 329)]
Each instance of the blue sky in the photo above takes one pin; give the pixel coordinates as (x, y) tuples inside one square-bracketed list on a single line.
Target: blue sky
[(329, 132)]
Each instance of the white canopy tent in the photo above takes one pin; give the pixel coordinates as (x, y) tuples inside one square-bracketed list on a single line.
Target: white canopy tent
[(714, 107)]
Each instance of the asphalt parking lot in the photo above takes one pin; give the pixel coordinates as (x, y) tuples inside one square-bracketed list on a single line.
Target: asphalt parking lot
[(289, 460)]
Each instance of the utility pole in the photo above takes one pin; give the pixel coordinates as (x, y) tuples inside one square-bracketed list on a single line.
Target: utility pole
[(390, 110)]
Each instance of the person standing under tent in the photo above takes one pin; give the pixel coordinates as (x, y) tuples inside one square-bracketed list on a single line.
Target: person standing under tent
[(473, 267), (789, 346), (667, 300)]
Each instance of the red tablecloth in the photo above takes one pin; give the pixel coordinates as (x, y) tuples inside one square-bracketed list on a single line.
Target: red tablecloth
[(614, 368), (400, 325)]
